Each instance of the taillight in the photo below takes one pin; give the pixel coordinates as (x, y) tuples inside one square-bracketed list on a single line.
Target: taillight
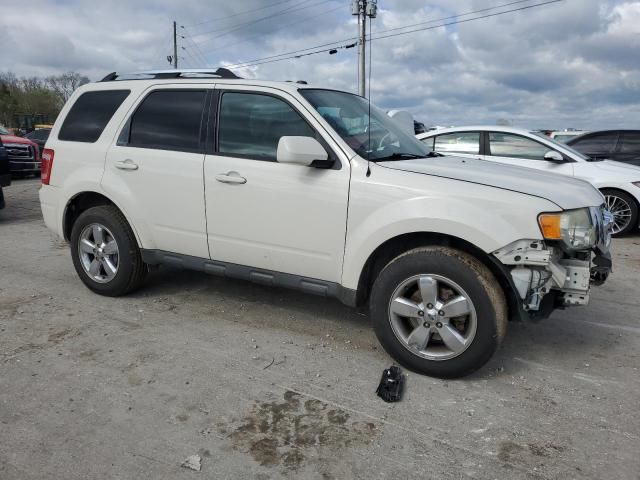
[(46, 166)]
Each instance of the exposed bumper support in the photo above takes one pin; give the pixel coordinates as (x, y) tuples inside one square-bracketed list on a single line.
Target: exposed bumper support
[(538, 270)]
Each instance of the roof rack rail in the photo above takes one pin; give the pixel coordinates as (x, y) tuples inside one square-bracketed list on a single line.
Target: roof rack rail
[(163, 74)]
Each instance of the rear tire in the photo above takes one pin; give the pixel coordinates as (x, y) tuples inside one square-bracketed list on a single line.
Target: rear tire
[(448, 337), (624, 209), (105, 252)]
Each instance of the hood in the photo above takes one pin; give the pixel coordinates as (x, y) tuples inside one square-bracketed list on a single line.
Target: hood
[(14, 139), (566, 192)]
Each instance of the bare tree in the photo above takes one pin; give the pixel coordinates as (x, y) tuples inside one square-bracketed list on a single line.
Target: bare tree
[(66, 83)]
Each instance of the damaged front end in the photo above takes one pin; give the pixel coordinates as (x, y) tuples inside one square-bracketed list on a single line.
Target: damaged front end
[(558, 271)]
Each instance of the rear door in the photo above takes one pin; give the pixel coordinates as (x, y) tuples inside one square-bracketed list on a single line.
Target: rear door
[(264, 214), (155, 169), (522, 151)]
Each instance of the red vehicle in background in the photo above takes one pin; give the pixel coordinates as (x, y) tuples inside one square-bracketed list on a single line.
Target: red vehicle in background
[(24, 155)]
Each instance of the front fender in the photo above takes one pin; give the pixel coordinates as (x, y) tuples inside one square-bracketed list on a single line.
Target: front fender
[(486, 217)]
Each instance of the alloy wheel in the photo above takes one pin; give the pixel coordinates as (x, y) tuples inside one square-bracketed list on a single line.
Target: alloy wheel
[(98, 251), (433, 317), (621, 211)]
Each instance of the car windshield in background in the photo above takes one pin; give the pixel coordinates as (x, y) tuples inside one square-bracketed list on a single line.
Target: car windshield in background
[(563, 146), (4, 131), (373, 137), (563, 138)]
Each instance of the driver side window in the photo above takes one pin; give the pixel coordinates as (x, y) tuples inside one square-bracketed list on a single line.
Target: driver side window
[(251, 125), (515, 146)]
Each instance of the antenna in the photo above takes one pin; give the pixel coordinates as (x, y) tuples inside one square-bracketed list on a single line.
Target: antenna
[(369, 101)]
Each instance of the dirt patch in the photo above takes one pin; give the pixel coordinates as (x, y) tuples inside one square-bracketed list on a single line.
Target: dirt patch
[(289, 432), (510, 451), (53, 339), (506, 450)]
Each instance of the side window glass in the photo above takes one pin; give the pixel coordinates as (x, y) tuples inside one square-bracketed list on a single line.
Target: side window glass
[(88, 117), (510, 145), (631, 143), (429, 141), (168, 120), (462, 142), (596, 143), (250, 125)]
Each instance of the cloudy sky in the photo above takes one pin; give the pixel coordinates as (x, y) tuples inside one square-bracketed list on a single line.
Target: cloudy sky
[(574, 63)]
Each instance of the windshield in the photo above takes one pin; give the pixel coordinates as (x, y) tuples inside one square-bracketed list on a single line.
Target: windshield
[(563, 146), (562, 138), (375, 137), (4, 131)]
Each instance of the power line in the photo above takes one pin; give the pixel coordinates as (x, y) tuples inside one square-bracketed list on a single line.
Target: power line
[(273, 58), (467, 20), (296, 22), (456, 16), (239, 26), (239, 13), (331, 50), (197, 51), (384, 31)]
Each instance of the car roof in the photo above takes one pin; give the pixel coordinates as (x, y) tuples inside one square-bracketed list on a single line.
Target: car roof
[(475, 128), (588, 134)]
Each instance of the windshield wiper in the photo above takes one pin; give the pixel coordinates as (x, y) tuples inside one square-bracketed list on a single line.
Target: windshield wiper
[(403, 156)]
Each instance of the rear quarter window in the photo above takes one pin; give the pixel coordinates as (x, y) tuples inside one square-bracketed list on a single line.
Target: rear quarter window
[(88, 117)]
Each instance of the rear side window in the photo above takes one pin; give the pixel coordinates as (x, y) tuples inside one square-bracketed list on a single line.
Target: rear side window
[(251, 125), (462, 142), (631, 143), (90, 114), (168, 120), (597, 143)]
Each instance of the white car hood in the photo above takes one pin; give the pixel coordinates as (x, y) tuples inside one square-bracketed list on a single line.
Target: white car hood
[(566, 192)]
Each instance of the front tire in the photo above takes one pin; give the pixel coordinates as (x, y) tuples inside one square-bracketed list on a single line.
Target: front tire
[(624, 209), (438, 311), (105, 252)]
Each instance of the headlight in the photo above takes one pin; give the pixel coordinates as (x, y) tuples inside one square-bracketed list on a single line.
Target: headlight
[(573, 227)]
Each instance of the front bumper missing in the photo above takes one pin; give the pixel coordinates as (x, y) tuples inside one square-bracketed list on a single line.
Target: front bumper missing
[(544, 277)]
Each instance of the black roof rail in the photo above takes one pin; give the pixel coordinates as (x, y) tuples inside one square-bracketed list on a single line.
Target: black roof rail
[(182, 73)]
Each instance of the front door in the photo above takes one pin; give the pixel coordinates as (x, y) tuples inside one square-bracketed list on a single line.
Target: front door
[(260, 213), (522, 151)]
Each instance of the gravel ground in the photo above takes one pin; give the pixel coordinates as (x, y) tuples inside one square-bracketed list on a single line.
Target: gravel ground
[(266, 383)]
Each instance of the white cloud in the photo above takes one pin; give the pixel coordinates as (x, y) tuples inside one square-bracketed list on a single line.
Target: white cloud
[(573, 63)]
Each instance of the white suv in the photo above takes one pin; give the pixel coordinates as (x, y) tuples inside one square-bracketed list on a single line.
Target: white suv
[(290, 185)]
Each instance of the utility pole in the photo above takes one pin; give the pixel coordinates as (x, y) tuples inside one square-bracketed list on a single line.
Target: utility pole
[(175, 46), (363, 9)]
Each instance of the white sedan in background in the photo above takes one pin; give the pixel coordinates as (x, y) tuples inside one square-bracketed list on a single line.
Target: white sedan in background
[(618, 182)]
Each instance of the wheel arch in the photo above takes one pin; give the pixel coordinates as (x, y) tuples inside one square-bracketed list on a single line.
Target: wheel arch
[(621, 190), (81, 202), (633, 197), (400, 244)]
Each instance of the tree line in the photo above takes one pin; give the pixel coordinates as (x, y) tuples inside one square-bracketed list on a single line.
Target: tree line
[(35, 95)]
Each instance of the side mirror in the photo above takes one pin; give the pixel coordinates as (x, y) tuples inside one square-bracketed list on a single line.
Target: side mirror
[(305, 151), (553, 156)]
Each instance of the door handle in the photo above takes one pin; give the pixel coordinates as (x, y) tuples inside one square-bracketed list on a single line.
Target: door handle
[(127, 164), (231, 177)]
